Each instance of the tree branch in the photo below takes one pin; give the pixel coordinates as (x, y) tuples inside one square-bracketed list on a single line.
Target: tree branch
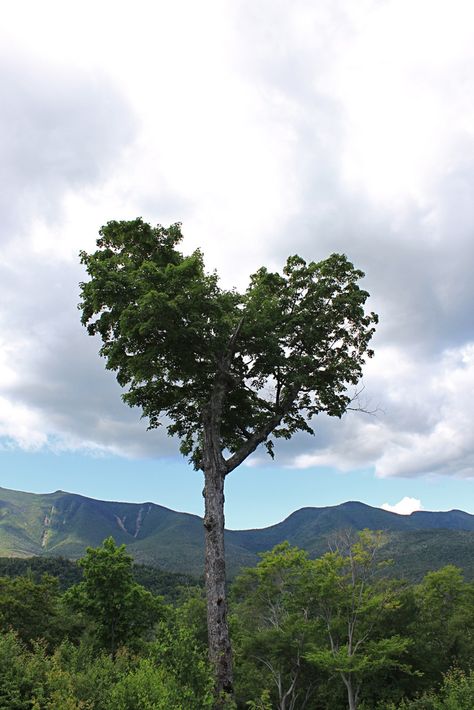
[(261, 434), (212, 414)]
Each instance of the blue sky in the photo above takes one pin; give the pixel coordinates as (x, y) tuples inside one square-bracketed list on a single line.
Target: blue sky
[(255, 496), (267, 129)]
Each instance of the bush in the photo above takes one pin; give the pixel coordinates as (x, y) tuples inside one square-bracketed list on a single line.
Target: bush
[(147, 688), (455, 693)]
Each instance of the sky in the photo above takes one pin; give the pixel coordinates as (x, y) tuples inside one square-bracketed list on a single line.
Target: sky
[(267, 128)]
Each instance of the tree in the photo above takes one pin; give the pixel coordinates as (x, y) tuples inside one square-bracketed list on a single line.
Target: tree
[(272, 628), (351, 600), (443, 627), (32, 609), (119, 607), (230, 371)]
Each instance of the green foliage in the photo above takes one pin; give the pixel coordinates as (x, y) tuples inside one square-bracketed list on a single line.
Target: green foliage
[(162, 320), (271, 628), (108, 595), (299, 623), (84, 676), (73, 678), (455, 693), (263, 702), (179, 653), (417, 552), (148, 687), (351, 603), (65, 571), (172, 671), (298, 338), (168, 585), (280, 626), (68, 572), (15, 683), (34, 609), (443, 628)]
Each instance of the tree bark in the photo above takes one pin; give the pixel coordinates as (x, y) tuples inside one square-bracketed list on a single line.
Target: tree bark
[(220, 653), (214, 467)]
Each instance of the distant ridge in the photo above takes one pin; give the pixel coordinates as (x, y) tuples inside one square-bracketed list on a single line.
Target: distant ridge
[(64, 524)]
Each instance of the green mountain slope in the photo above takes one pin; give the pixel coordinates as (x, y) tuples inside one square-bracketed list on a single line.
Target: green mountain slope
[(64, 524), (416, 552)]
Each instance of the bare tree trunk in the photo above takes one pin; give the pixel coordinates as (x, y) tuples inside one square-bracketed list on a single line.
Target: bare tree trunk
[(220, 652), (351, 693)]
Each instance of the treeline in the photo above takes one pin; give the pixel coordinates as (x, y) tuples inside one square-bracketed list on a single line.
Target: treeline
[(327, 634), (69, 572)]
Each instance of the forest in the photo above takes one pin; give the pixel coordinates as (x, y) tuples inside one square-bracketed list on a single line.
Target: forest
[(308, 634)]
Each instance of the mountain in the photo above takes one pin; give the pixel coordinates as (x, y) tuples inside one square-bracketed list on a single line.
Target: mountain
[(310, 528), (64, 524)]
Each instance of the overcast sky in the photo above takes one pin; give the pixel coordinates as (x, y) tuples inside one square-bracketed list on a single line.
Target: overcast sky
[(267, 128)]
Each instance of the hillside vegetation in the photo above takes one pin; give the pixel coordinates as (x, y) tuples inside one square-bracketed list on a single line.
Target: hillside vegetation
[(63, 524), (325, 634)]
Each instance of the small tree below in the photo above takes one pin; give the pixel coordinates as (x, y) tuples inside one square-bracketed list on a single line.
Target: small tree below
[(120, 609), (350, 601), (272, 628)]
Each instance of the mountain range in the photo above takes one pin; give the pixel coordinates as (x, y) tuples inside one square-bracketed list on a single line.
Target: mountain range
[(64, 524)]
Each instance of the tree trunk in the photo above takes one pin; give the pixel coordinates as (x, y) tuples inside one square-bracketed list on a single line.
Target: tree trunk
[(220, 652), (351, 695)]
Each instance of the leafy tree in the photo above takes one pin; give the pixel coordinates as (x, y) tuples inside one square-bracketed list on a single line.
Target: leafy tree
[(291, 613), (69, 679), (180, 650), (350, 601), (443, 628), (228, 370), (121, 609), (15, 683), (151, 687), (33, 609), (272, 629)]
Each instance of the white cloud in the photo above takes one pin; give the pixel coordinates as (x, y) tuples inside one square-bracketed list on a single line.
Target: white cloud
[(423, 426), (21, 426), (403, 107), (268, 129), (405, 506), (439, 440)]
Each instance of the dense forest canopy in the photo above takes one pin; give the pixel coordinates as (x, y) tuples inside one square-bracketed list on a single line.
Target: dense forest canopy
[(325, 634)]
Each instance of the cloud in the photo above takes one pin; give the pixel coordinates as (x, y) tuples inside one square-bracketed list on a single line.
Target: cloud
[(55, 391), (436, 435), (420, 424), (275, 129), (405, 506), (60, 131), (393, 191)]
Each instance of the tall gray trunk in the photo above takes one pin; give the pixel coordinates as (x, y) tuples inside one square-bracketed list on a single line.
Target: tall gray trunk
[(351, 695), (220, 652)]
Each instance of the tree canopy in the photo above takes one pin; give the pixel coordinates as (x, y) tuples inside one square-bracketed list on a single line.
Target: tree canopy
[(108, 594), (286, 349)]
